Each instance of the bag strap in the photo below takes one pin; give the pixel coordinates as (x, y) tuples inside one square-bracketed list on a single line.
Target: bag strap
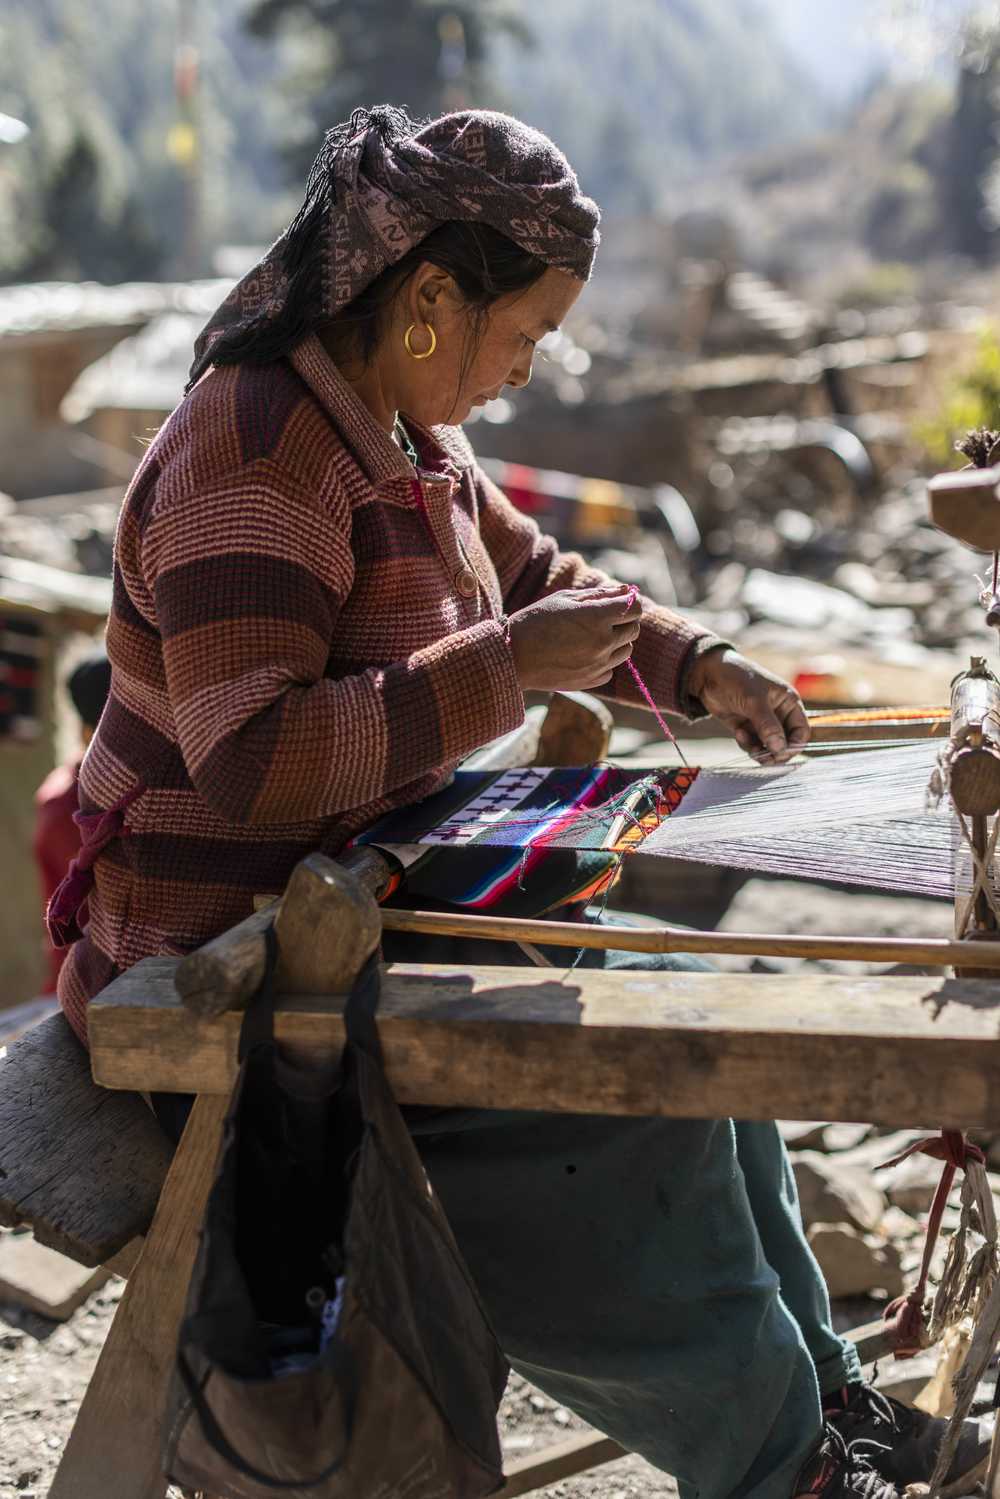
[(359, 1012), (335, 1357), (258, 1019)]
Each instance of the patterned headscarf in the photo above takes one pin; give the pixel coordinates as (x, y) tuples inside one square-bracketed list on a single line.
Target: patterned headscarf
[(378, 187)]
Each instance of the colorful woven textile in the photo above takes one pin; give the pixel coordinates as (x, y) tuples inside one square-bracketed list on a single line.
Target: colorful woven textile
[(528, 840), (856, 819)]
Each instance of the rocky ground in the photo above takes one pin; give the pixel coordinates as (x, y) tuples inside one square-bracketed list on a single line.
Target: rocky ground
[(865, 1227)]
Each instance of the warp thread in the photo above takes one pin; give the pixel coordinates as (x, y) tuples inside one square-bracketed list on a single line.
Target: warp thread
[(596, 817), (855, 819)]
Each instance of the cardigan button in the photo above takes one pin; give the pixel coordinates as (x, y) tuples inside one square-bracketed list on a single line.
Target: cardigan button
[(465, 582)]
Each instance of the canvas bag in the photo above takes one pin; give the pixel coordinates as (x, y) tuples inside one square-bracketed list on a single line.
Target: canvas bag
[(322, 1229)]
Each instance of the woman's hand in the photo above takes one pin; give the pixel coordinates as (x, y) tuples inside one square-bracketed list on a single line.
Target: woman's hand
[(763, 713), (574, 638)]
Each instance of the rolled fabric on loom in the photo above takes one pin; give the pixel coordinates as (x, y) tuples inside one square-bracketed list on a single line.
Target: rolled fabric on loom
[(857, 819)]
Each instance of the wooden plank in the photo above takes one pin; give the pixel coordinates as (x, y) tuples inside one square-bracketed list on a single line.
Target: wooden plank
[(577, 1454), (114, 1448), (857, 726), (224, 972), (327, 924), (83, 1166), (42, 1280), (892, 1050)]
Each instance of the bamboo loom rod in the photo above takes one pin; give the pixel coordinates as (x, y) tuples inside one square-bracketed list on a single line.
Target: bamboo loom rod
[(939, 952)]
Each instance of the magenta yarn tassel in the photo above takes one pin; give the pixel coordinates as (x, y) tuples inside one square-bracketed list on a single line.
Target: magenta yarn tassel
[(97, 830)]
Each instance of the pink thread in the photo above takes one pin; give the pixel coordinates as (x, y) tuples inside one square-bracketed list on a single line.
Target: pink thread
[(633, 594)]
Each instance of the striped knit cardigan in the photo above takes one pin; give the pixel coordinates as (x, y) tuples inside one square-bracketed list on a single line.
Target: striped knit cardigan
[(304, 634)]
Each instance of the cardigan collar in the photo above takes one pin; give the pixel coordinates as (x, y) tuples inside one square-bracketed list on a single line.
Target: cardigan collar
[(378, 455)]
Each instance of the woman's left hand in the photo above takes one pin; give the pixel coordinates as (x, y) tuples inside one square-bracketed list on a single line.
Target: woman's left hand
[(763, 713)]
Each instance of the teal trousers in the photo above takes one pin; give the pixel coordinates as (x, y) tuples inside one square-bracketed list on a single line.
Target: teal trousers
[(650, 1274)]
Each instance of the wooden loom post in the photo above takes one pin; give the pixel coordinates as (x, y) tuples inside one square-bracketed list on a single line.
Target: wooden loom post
[(974, 787), (966, 505)]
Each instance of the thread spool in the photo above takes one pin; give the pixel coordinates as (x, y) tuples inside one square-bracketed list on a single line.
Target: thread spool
[(975, 731)]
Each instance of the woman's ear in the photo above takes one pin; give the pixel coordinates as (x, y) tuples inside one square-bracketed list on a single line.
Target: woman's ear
[(431, 289)]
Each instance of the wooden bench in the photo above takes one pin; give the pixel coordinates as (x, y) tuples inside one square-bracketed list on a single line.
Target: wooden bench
[(455, 1038), (87, 1167)]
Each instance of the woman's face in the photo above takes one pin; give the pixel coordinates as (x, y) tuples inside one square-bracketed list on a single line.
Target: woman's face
[(465, 371)]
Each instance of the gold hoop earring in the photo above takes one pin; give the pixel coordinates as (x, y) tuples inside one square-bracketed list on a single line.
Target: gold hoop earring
[(409, 347)]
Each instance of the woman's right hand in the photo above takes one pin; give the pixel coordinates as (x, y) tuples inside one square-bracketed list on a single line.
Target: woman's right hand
[(574, 638)]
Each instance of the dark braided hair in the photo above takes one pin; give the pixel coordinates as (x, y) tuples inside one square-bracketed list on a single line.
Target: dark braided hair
[(300, 251)]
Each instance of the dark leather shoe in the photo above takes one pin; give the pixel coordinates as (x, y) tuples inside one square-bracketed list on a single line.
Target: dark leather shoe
[(842, 1470), (907, 1440)]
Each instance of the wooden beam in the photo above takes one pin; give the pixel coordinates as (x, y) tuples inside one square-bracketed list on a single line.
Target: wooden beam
[(327, 922), (115, 1448), (966, 504), (933, 952), (327, 925), (577, 1454), (860, 725), (576, 730), (222, 974), (84, 1168), (880, 1050)]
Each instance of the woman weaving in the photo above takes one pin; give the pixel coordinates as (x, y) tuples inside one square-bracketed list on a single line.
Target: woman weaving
[(321, 604)]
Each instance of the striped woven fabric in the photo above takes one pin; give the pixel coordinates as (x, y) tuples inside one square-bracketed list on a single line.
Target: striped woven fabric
[(523, 842), (298, 646)]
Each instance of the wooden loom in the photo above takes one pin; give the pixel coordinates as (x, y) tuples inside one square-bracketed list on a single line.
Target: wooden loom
[(88, 1168)]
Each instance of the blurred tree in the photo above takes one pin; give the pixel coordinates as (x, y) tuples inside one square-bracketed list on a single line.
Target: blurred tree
[(94, 190), (84, 221), (643, 93), (428, 56)]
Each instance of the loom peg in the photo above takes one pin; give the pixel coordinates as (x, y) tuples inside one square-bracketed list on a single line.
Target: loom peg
[(966, 505), (973, 779)]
